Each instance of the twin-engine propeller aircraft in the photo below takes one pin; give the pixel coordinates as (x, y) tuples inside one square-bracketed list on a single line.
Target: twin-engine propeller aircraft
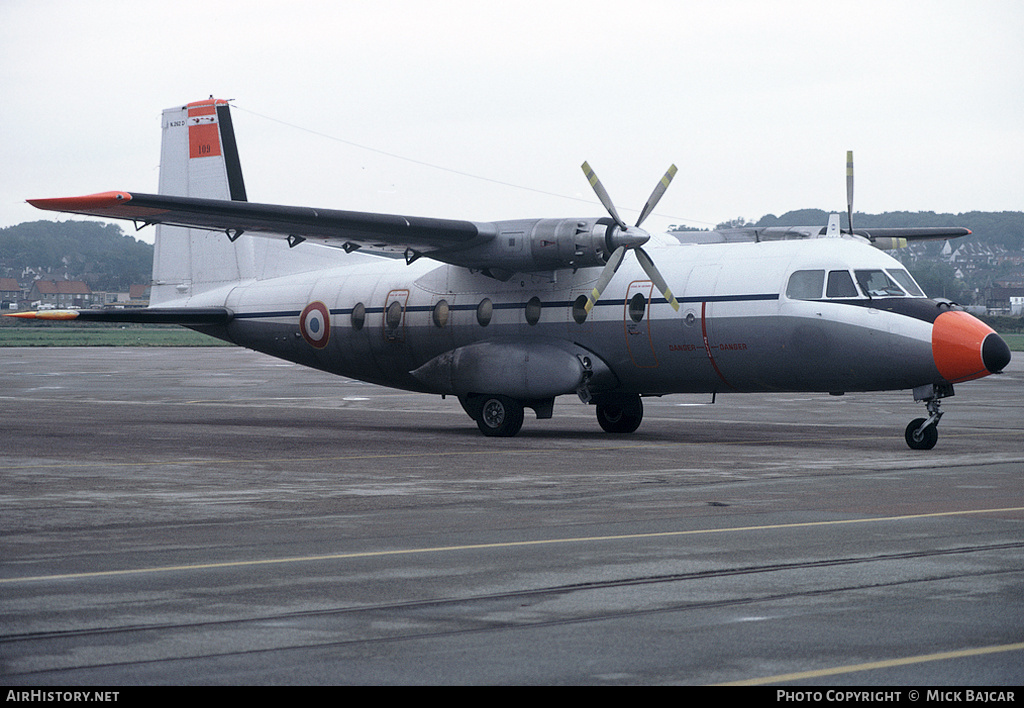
[(509, 315)]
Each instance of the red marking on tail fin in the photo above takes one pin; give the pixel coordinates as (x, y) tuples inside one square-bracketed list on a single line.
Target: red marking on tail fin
[(203, 131), (203, 109), (204, 140)]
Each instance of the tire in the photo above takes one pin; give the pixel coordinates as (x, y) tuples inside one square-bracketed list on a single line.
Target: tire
[(925, 440), (621, 416), (499, 416)]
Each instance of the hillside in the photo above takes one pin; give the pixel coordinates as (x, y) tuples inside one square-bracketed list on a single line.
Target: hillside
[(100, 254), (992, 228)]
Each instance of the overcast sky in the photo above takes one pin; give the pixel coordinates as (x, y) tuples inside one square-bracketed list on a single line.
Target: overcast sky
[(756, 102)]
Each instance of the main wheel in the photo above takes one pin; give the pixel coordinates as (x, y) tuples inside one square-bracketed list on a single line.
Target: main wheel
[(499, 416), (925, 440), (622, 416)]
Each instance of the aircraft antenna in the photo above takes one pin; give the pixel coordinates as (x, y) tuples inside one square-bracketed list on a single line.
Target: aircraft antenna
[(450, 170), (849, 188)]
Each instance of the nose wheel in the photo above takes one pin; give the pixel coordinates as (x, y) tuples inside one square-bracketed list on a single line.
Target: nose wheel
[(923, 433), (920, 435)]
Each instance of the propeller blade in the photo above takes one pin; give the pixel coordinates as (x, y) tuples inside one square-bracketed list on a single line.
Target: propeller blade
[(659, 282), (602, 195), (849, 188), (629, 238), (659, 190), (606, 277)]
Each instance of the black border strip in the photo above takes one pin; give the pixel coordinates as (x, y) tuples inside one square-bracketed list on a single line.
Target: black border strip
[(236, 185)]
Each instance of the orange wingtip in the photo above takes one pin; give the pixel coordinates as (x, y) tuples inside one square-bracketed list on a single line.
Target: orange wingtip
[(88, 203), (45, 315)]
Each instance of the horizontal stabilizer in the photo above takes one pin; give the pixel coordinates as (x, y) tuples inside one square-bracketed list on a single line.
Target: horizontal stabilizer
[(188, 316)]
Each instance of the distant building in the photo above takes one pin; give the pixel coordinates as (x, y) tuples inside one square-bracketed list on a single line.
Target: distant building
[(108, 299), (969, 256), (139, 295), (61, 293), (10, 293), (1008, 301)]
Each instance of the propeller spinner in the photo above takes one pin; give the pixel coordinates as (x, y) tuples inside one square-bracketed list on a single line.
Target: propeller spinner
[(629, 238)]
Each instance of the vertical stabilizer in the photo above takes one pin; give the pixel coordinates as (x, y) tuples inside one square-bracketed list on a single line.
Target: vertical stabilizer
[(199, 158)]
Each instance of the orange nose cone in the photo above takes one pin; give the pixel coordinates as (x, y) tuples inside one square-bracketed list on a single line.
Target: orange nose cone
[(966, 348)]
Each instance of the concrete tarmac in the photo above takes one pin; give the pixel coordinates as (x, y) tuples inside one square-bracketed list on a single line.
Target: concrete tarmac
[(215, 516)]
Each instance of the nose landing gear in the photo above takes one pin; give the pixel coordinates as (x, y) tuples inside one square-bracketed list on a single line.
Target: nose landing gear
[(922, 433)]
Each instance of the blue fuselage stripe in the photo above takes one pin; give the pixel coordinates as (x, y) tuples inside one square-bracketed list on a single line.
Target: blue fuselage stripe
[(514, 305)]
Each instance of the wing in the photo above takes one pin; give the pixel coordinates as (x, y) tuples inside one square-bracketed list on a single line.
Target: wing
[(913, 233), (345, 229), (526, 245), (883, 237)]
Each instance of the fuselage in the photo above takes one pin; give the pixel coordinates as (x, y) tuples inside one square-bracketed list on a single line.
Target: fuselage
[(745, 324)]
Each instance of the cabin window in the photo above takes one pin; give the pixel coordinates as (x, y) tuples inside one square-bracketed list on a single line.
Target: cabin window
[(805, 285), (484, 311), (533, 308), (903, 278), (840, 284), (877, 284), (393, 316), (637, 307), (358, 316), (441, 312)]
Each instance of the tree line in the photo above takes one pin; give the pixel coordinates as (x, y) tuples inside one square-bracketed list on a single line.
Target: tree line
[(995, 228), (97, 253)]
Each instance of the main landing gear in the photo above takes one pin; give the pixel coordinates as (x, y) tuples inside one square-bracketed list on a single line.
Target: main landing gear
[(498, 416), (621, 414), (502, 416), (923, 433)]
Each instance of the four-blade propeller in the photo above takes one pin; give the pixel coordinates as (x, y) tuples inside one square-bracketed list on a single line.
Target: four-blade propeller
[(626, 238)]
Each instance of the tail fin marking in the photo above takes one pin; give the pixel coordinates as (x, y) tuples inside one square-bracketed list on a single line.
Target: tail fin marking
[(198, 158)]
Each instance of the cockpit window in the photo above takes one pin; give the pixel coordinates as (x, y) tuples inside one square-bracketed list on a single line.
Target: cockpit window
[(840, 284), (903, 278), (877, 284), (805, 285)]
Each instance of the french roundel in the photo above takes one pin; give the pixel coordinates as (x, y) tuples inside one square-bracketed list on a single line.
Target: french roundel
[(315, 324)]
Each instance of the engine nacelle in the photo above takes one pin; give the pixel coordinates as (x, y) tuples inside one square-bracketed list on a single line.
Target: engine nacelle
[(570, 243), (889, 243), (529, 245)]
